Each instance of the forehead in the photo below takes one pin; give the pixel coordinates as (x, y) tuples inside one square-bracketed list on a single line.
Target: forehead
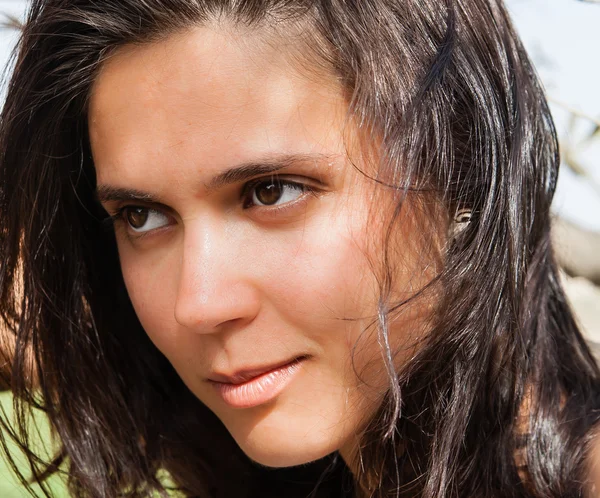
[(218, 94)]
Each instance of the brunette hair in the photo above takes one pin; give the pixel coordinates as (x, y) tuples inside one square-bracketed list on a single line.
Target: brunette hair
[(500, 399)]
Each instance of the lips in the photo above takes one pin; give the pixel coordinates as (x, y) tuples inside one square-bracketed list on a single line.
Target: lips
[(253, 387), (241, 376)]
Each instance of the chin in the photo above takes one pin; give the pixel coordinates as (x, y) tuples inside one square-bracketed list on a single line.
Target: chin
[(293, 441), (283, 455)]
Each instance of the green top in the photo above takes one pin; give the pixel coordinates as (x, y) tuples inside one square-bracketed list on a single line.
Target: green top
[(41, 443), (9, 484)]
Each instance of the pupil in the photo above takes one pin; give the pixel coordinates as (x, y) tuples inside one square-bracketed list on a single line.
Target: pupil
[(268, 193), (137, 217)]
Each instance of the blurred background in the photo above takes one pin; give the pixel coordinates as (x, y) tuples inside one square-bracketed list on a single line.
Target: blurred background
[(563, 38)]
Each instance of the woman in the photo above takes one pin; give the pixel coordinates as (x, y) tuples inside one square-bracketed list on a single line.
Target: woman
[(330, 252)]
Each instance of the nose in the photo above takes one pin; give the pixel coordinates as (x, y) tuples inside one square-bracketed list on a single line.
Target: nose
[(215, 283)]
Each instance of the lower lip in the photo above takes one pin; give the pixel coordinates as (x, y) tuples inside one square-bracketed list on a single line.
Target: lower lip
[(259, 390)]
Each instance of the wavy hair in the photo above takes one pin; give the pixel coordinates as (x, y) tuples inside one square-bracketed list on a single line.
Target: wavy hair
[(502, 396)]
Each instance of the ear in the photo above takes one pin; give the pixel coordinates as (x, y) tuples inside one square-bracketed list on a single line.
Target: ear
[(459, 223)]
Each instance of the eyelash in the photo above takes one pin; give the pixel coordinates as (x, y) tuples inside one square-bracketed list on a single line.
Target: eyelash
[(247, 190)]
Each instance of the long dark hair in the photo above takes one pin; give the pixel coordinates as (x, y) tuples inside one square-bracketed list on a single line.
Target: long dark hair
[(500, 399)]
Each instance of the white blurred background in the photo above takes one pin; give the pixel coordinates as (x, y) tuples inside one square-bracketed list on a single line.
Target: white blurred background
[(562, 37)]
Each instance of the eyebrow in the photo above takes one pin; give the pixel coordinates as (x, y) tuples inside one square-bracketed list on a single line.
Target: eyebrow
[(265, 166), (107, 193), (238, 174)]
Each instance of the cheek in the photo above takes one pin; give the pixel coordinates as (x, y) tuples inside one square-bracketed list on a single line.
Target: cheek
[(319, 275), (327, 275), (330, 284), (322, 287), (152, 288)]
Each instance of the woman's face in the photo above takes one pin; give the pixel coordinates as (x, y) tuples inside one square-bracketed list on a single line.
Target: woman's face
[(244, 235)]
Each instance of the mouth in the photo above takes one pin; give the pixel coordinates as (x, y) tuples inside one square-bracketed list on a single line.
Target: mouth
[(250, 388)]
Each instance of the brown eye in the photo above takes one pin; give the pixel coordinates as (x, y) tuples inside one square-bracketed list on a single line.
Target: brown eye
[(136, 217), (273, 192), (142, 219), (268, 193)]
